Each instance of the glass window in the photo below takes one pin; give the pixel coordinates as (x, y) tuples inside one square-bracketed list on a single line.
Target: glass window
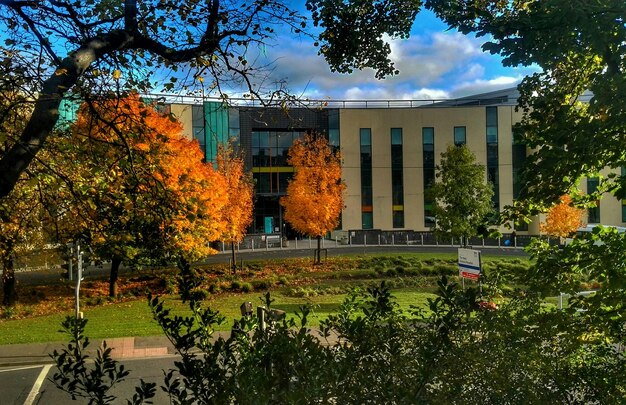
[(197, 116), (262, 181), (428, 136), (366, 136), (398, 219), (623, 174), (396, 136), (459, 136), (264, 139), (367, 220), (333, 137), (492, 134), (593, 213), (492, 117)]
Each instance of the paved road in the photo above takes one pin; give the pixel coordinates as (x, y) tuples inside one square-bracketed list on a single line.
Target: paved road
[(302, 250), (28, 385)]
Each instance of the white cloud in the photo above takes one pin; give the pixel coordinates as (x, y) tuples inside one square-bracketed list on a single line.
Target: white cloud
[(485, 86), (434, 65)]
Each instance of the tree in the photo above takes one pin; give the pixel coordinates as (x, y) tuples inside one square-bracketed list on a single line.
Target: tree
[(21, 226), (106, 41), (563, 219), (139, 191), (314, 197), (237, 213), (21, 230), (461, 194), (571, 115)]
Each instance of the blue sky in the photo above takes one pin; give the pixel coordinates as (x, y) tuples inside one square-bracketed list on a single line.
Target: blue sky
[(434, 63)]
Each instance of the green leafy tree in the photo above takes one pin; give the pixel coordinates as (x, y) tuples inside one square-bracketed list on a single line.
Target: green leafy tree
[(571, 115), (461, 194)]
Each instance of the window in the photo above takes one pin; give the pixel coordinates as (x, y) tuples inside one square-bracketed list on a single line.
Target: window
[(333, 129), (623, 174), (492, 124), (428, 146), (397, 181), (459, 136), (198, 126), (367, 198), (519, 159), (593, 213), (492, 153)]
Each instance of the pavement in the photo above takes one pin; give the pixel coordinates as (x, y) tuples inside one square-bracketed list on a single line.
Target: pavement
[(123, 348)]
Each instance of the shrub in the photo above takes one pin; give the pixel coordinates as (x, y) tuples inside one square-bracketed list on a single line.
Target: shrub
[(235, 285), (246, 287), (512, 353), (261, 284), (199, 294), (283, 280), (446, 269)]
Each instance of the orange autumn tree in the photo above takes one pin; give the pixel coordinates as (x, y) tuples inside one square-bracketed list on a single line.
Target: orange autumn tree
[(237, 213), (314, 197), (563, 219), (140, 190)]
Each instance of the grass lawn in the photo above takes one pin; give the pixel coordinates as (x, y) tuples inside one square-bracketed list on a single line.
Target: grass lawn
[(133, 318), (292, 282)]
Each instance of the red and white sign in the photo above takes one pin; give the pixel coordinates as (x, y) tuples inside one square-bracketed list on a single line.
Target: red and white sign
[(469, 263)]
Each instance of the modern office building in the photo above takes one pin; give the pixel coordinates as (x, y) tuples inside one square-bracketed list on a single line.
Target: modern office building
[(389, 148)]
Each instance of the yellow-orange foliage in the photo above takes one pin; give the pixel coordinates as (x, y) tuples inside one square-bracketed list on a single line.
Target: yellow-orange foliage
[(563, 219), (139, 175), (315, 194), (237, 213)]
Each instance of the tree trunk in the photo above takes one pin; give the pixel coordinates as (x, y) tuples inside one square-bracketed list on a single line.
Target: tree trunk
[(186, 281), (318, 252), (233, 266), (8, 283), (115, 269)]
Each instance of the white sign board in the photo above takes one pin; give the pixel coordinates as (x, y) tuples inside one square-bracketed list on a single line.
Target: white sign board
[(469, 263)]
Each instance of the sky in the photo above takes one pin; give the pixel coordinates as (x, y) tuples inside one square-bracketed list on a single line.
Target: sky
[(434, 63)]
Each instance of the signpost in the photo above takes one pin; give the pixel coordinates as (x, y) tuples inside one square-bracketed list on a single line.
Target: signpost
[(469, 263)]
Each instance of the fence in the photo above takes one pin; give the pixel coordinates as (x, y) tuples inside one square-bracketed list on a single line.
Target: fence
[(374, 237)]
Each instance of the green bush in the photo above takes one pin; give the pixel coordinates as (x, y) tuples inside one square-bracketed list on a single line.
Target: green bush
[(446, 269), (199, 294), (235, 285), (246, 287), (466, 349), (260, 284)]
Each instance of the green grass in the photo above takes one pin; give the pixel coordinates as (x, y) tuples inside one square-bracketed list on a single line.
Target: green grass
[(412, 277), (133, 318)]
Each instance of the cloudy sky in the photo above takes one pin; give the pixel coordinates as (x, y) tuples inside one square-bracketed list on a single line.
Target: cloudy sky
[(434, 63)]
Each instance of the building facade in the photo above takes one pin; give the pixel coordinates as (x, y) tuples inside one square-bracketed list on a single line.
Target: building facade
[(390, 150)]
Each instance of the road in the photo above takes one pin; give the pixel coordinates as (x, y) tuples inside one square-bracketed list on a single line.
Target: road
[(29, 385), (94, 272)]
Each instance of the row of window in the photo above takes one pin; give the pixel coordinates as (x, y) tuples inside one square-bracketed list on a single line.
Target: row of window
[(428, 147)]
